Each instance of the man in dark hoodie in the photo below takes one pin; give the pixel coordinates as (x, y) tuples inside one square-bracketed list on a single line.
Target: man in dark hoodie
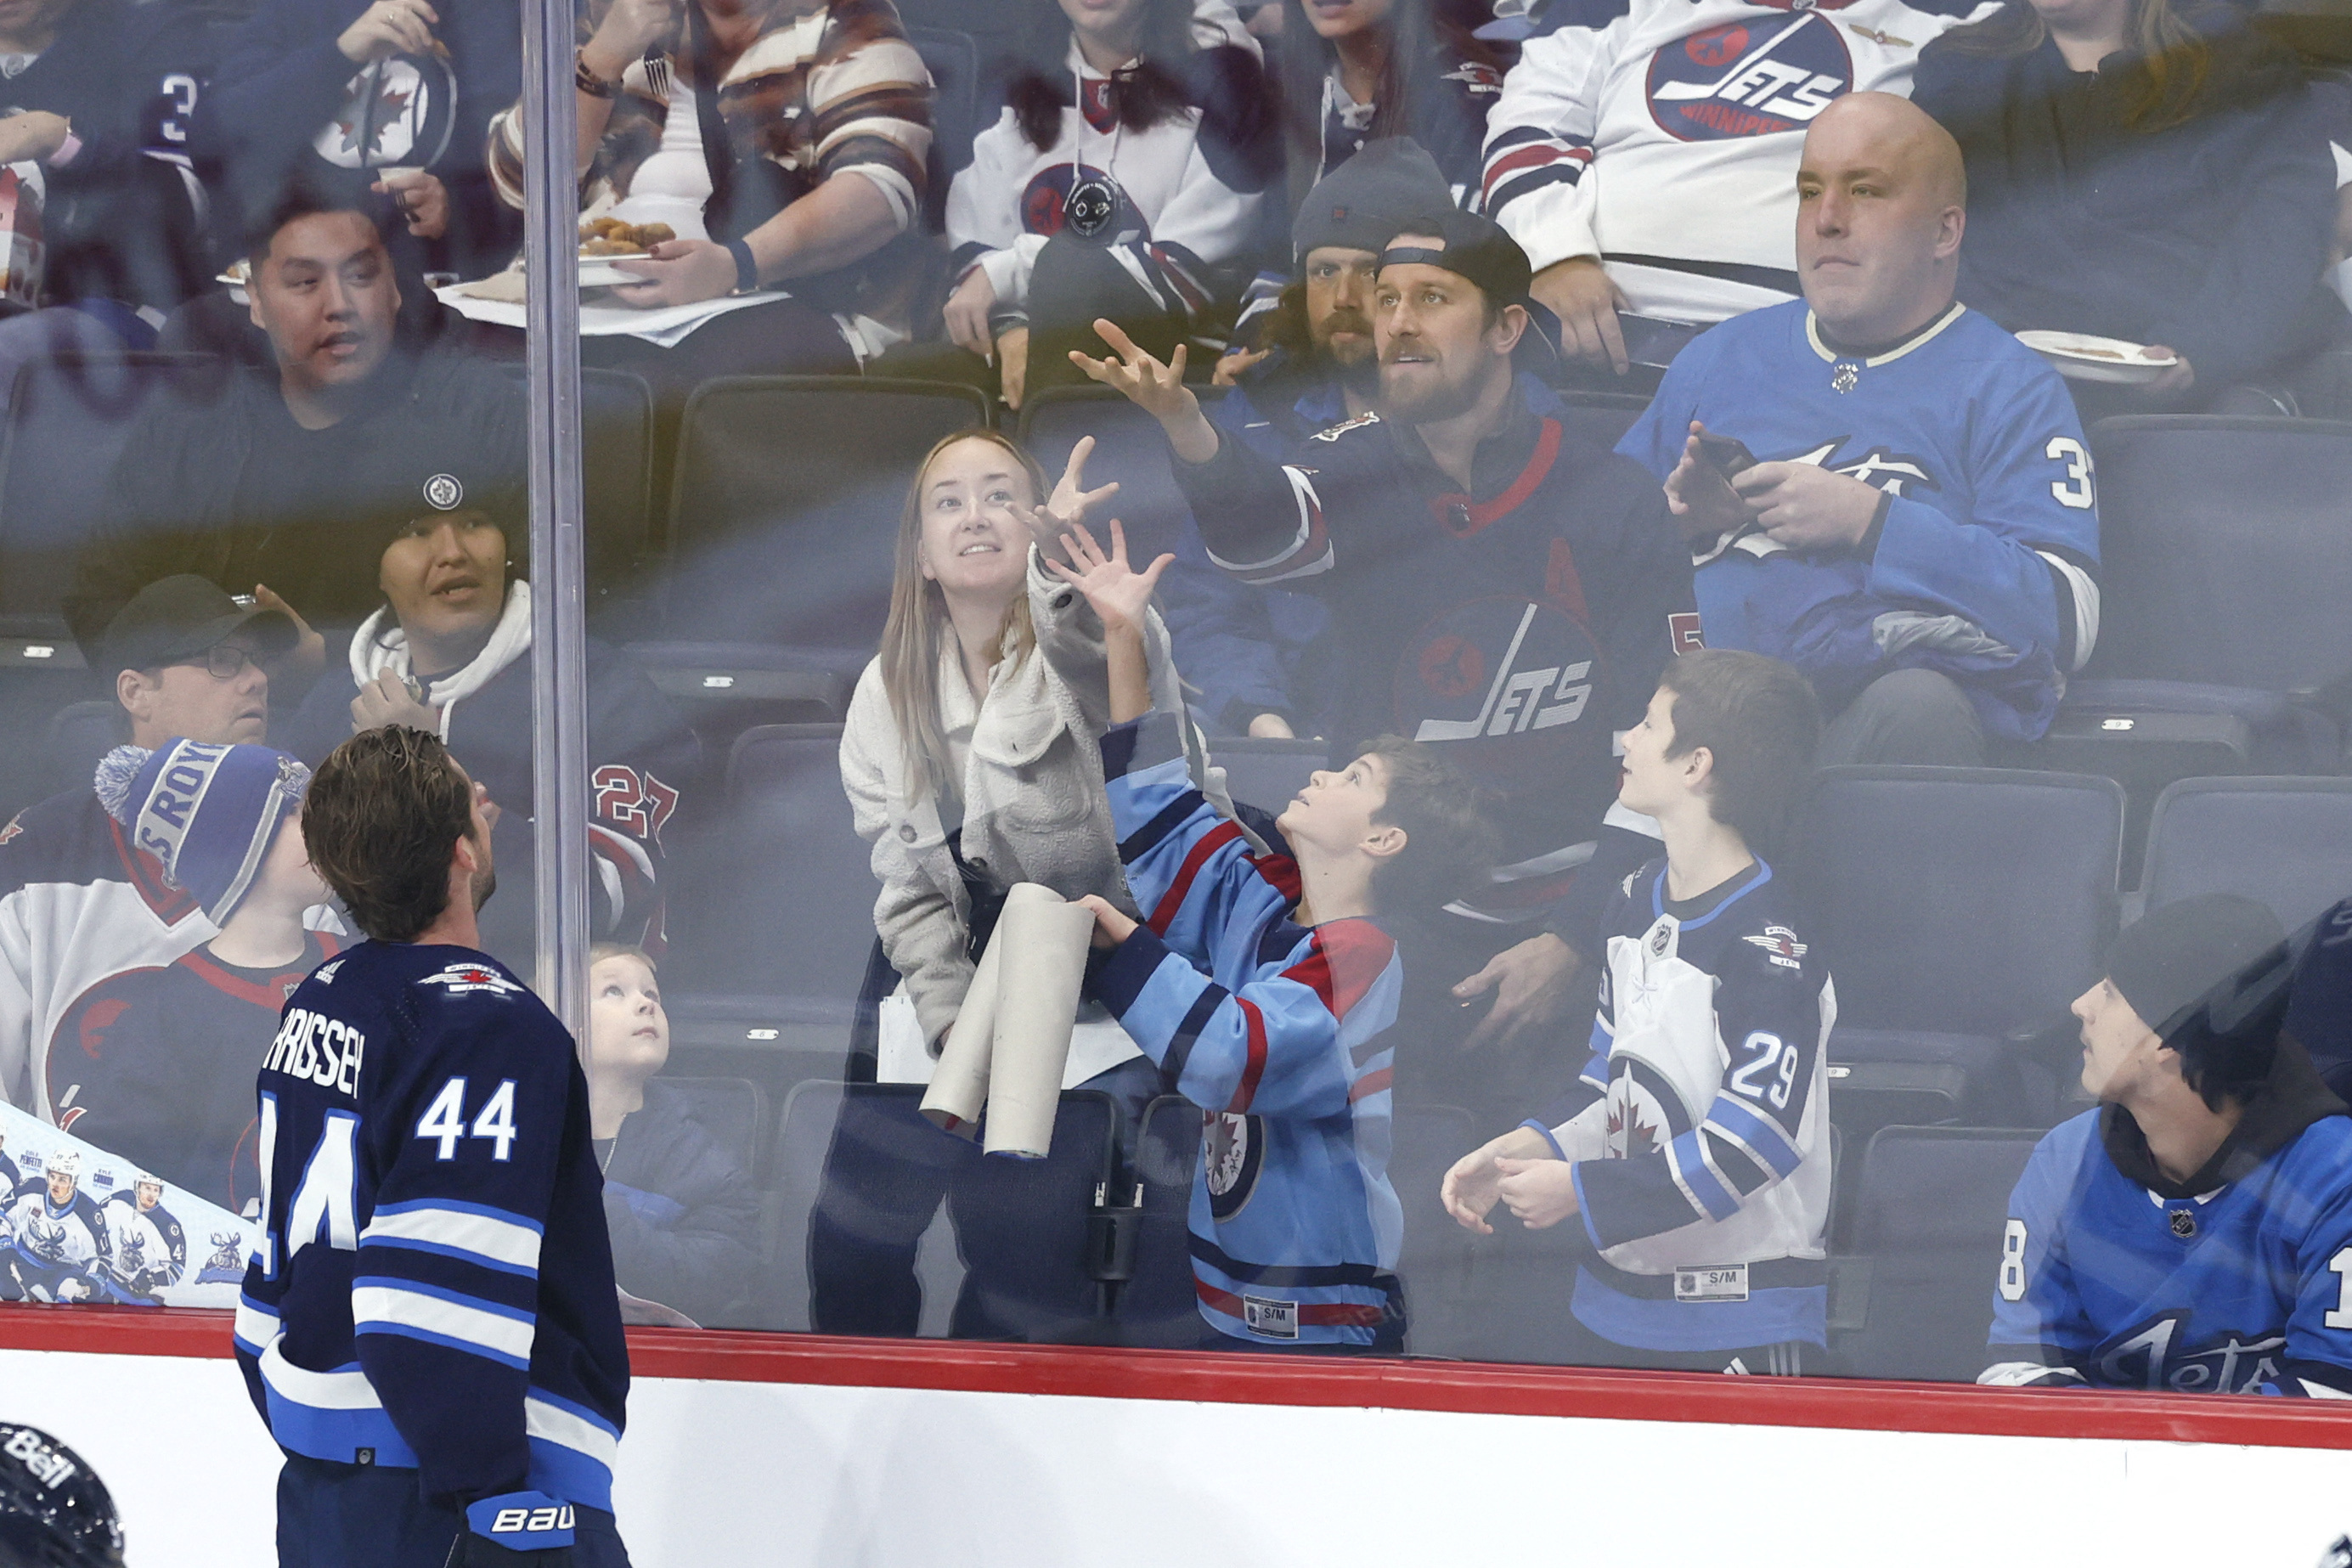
[(2194, 1233)]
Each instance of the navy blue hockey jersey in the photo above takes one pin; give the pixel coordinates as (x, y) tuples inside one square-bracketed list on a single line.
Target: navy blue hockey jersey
[(1281, 1035), (1517, 628), (1984, 566), (434, 1287), (2236, 1281), (1702, 1145)]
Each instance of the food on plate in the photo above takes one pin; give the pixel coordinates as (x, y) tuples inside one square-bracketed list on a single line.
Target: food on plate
[(612, 237)]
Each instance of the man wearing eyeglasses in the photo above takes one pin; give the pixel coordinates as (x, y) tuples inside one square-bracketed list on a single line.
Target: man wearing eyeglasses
[(79, 901)]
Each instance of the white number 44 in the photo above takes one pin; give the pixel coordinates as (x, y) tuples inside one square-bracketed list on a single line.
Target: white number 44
[(445, 1119)]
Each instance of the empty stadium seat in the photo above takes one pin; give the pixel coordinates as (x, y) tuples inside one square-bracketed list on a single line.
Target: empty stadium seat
[(1916, 1301), (776, 899), (725, 689), (1026, 1220), (785, 506), (2285, 842), (795, 1173), (1130, 447), (734, 1111), (2226, 545), (1959, 911), (67, 421), (617, 430)]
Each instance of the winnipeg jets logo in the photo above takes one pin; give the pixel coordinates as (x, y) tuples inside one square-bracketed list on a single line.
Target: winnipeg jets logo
[(1630, 1137), (1880, 467), (1517, 699), (2144, 1356), (1728, 81), (460, 978), (1230, 1164)]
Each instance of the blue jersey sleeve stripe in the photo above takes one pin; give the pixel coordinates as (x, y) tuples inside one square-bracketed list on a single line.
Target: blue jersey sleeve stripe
[(495, 1239), (1172, 816), (462, 1254), (452, 1341), (1120, 978), (1736, 1123), (458, 1207), (1708, 1191), (1187, 1033)]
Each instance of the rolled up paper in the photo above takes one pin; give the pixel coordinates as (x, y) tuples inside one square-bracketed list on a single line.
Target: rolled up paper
[(1044, 940), (959, 1089)]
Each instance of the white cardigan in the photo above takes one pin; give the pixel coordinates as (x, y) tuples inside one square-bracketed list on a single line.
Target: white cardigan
[(1034, 807)]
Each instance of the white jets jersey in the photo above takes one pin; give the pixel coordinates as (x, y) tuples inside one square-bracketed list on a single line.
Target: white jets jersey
[(1703, 1157), (146, 1249), (1666, 140)]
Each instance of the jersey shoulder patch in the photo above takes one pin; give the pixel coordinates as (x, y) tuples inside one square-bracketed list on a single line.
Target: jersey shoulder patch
[(325, 973), (461, 979), (1341, 428), (1779, 944)]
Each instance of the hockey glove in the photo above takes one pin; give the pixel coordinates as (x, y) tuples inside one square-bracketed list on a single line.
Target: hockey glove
[(515, 1530)]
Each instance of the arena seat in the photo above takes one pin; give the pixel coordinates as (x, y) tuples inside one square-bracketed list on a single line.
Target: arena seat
[(775, 899), (953, 59), (1915, 1300), (2285, 842), (1128, 446), (734, 1111), (616, 429), (2227, 551), (1605, 415), (725, 689), (1959, 911), (1029, 1217), (68, 420), (1157, 1306), (784, 507)]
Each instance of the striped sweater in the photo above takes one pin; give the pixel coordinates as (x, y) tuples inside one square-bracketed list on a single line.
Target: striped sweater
[(826, 87), (1280, 1033)]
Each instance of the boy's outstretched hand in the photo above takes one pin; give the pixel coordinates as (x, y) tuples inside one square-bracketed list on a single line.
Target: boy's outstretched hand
[(1111, 928), (1119, 593)]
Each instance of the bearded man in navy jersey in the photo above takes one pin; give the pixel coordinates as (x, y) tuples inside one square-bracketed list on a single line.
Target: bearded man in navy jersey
[(1905, 508)]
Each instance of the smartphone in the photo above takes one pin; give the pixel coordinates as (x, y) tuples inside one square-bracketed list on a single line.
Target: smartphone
[(1728, 455), (1653, 340)]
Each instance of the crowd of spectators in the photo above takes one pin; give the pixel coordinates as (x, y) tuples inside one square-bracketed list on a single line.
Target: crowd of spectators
[(1366, 263)]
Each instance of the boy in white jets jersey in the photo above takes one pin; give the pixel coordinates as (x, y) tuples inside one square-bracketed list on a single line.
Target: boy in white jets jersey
[(1644, 152), (1695, 1145)]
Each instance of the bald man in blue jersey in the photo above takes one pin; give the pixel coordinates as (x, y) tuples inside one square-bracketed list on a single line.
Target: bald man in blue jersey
[(1879, 484)]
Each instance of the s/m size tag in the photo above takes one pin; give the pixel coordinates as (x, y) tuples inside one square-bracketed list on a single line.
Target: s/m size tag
[(1274, 1320), (1723, 1282)]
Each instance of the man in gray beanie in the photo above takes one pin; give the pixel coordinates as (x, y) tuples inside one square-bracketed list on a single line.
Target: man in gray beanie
[(2194, 1232)]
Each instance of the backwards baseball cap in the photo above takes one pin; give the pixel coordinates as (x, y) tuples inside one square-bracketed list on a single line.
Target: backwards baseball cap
[(1476, 247), (2217, 963), (1366, 201), (208, 812), (179, 617)]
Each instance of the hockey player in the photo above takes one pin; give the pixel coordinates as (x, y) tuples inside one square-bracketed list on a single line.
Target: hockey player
[(1262, 985), (1695, 1147), (78, 900), (1501, 588), (1920, 535), (155, 1064), (2193, 1233), (1644, 152), (146, 1249), (430, 1326), (59, 1252)]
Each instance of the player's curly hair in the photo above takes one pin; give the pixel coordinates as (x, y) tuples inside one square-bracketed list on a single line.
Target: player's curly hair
[(384, 812), (1449, 844)]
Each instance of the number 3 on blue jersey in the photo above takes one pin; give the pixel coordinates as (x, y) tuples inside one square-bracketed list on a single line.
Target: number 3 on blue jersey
[(444, 1120)]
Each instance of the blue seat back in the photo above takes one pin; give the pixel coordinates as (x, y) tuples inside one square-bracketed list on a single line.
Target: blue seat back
[(2285, 842), (1931, 1205)]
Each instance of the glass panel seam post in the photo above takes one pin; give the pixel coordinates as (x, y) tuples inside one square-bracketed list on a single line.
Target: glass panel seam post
[(559, 605)]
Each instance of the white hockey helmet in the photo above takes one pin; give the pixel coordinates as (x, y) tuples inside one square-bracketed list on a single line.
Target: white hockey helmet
[(64, 1163)]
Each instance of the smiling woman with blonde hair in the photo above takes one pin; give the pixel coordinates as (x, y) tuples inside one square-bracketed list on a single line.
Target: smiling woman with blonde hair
[(971, 759)]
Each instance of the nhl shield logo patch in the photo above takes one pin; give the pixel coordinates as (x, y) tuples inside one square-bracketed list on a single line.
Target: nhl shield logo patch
[(443, 492)]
